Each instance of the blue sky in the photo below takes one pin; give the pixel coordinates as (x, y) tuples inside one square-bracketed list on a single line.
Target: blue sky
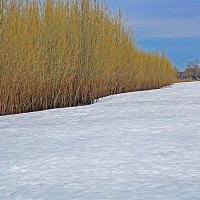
[(169, 26)]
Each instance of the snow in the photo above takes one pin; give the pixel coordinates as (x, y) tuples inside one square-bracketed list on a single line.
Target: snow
[(141, 145)]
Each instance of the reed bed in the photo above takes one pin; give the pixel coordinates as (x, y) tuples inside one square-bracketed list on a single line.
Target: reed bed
[(68, 53)]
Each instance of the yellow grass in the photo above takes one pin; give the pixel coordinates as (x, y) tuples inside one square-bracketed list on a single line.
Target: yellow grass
[(69, 53)]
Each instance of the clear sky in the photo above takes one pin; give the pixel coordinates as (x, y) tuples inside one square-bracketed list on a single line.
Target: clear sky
[(169, 26)]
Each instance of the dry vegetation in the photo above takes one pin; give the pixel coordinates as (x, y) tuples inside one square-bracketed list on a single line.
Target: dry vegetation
[(68, 53), (191, 72)]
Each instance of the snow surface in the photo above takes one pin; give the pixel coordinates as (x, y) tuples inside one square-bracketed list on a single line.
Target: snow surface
[(141, 145)]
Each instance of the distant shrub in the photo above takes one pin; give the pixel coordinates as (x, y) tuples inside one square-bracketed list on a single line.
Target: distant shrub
[(68, 53), (192, 71)]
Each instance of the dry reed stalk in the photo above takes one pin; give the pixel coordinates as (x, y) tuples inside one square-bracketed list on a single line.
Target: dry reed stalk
[(69, 53)]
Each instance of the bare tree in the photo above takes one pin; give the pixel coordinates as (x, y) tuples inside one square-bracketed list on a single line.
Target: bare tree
[(193, 64), (192, 70)]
